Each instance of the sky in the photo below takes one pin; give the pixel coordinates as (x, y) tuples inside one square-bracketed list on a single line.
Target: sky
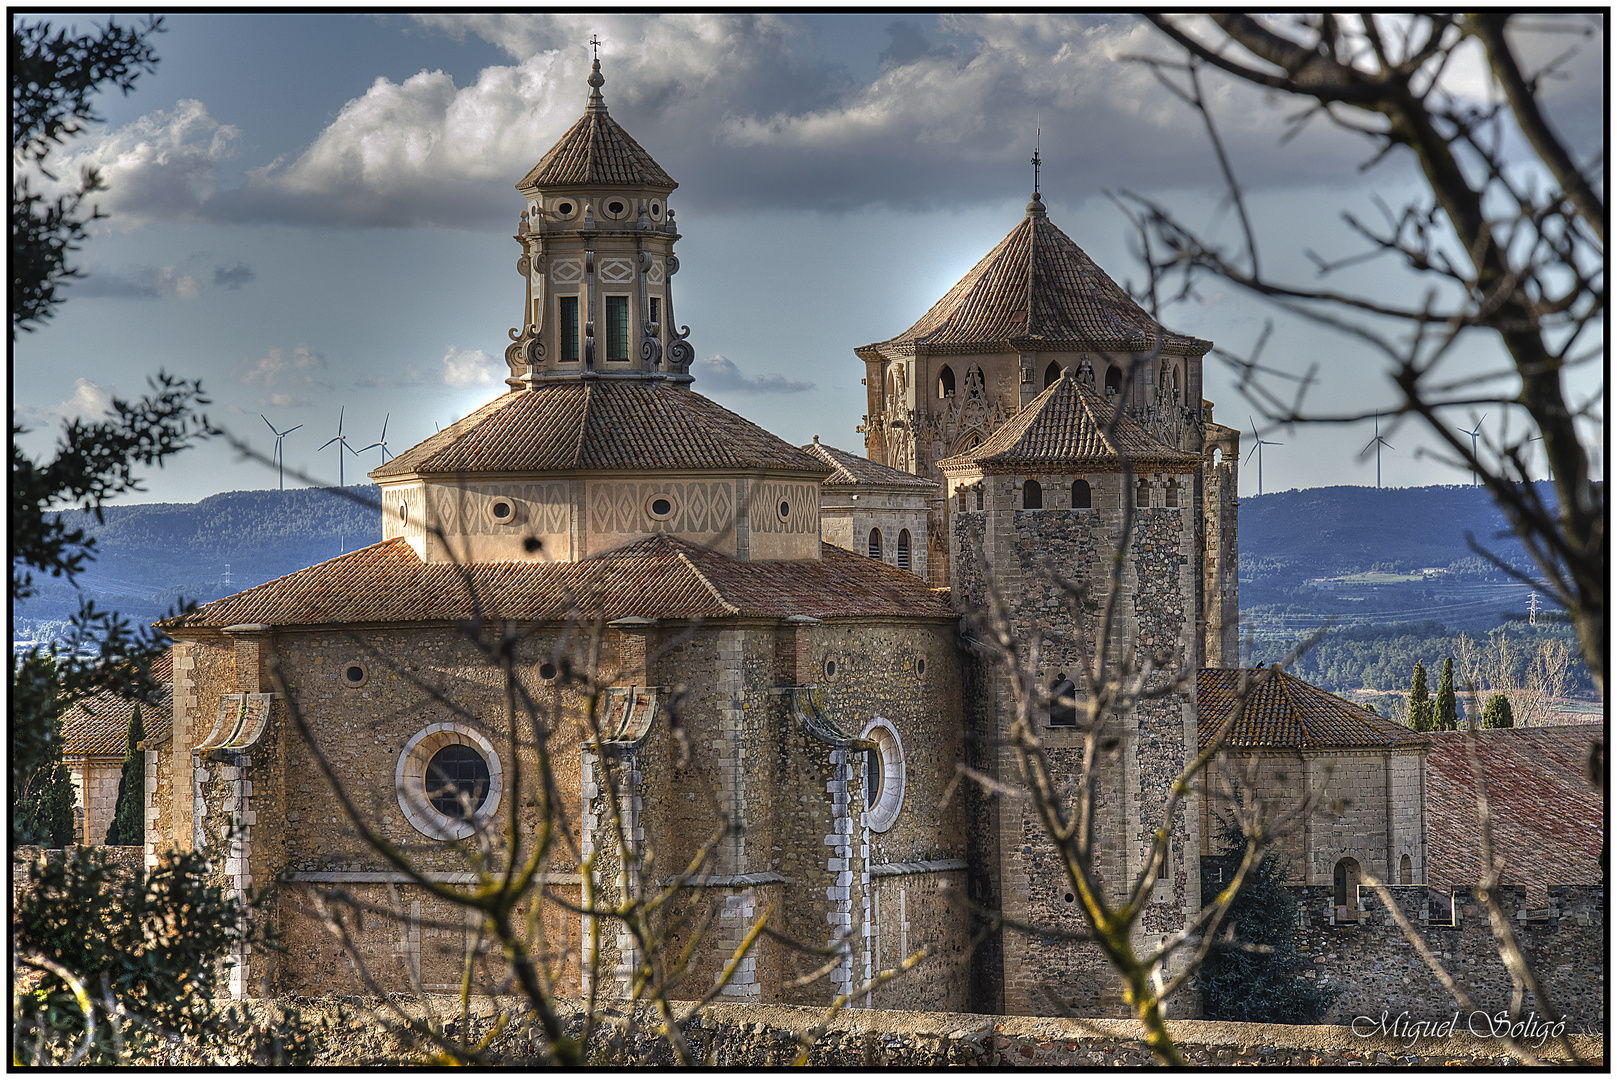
[(313, 213)]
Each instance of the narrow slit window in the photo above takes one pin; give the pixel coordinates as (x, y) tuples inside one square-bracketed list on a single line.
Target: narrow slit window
[(1172, 498), (904, 550), (654, 314), (617, 328), (979, 496), (875, 543), (567, 330)]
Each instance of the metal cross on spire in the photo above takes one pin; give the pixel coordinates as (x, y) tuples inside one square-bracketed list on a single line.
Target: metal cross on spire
[(595, 44), (1035, 160)]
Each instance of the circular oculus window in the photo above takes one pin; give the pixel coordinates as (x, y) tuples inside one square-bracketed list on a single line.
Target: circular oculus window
[(614, 208), (920, 665), (354, 674), (830, 667), (564, 209), (404, 512), (883, 776), (784, 509), (660, 506), (448, 781), (547, 671), (502, 511)]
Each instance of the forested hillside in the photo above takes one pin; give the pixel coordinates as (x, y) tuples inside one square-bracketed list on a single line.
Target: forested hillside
[(148, 555)]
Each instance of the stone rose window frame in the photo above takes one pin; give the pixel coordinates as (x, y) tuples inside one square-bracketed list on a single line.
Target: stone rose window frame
[(882, 812), (410, 780)]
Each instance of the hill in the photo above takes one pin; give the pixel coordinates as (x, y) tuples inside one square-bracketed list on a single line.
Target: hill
[(149, 555)]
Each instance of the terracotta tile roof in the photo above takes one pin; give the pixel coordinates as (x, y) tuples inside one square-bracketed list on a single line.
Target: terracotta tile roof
[(1547, 819), (99, 725), (850, 469), (597, 150), (1283, 711), (600, 424), (1066, 425), (1037, 289), (658, 577)]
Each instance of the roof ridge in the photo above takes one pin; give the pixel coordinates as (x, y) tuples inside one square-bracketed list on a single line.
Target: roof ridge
[(712, 589)]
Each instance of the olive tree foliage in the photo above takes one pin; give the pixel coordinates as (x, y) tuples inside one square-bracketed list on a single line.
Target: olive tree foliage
[(53, 79), (1505, 247)]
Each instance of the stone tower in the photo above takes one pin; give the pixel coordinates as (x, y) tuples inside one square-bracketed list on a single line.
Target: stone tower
[(597, 253), (1047, 495)]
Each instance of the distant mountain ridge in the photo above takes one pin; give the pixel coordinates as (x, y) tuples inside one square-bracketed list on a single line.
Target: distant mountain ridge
[(150, 554), (1323, 532)]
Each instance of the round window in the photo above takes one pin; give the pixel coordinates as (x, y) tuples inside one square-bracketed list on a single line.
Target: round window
[(564, 208), (884, 776), (660, 506), (830, 667), (457, 781), (785, 510), (547, 671), (354, 674), (448, 781), (404, 512), (503, 511), (655, 210), (614, 207), (920, 665)]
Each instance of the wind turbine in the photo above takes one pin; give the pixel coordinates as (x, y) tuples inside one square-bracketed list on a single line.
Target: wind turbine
[(1378, 442), (1474, 433), (342, 444), (279, 455), (379, 443), (1257, 448)]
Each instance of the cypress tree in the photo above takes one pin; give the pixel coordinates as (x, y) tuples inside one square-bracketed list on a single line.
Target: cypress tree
[(44, 807), (128, 826), (1445, 713), (1420, 702), (1497, 714)]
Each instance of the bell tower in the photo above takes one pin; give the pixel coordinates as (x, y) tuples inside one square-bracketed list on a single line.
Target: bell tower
[(597, 257)]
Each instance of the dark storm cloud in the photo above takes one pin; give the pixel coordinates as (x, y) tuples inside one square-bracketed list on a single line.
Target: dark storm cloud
[(234, 277)]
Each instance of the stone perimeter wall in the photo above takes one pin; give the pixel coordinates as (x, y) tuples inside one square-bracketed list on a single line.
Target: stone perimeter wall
[(1374, 969), (749, 1036)]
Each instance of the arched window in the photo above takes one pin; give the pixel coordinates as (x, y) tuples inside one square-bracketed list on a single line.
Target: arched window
[(904, 550), (1176, 384), (1080, 494), (1063, 709), (1142, 493), (875, 543), (1051, 374), (1114, 380), (1218, 457), (1032, 496), (1347, 883), (1173, 493), (1406, 872), (979, 495), (962, 494), (946, 382)]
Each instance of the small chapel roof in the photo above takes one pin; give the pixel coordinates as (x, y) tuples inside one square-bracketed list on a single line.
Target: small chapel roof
[(850, 469), (1286, 712), (600, 424), (659, 577), (99, 725), (1067, 425), (597, 150), (1038, 290), (1548, 821)]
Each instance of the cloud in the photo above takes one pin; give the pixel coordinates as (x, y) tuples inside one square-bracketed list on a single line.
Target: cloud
[(718, 373), (746, 114), (234, 277), (290, 372), (162, 167), (89, 402), (470, 367), (138, 283)]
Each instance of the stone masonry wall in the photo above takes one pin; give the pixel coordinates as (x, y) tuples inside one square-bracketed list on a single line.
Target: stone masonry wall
[(1374, 969), (753, 1036)]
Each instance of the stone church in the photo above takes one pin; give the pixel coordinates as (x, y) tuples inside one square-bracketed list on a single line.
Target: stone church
[(783, 632)]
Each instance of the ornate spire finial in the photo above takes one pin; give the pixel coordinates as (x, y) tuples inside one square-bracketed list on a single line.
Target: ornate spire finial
[(596, 79), (1036, 132)]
